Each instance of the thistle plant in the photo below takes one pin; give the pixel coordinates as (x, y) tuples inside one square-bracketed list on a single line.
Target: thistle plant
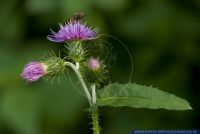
[(93, 74)]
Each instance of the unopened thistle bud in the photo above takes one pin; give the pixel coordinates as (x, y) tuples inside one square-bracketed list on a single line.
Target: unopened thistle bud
[(49, 66), (95, 72), (34, 71), (93, 64)]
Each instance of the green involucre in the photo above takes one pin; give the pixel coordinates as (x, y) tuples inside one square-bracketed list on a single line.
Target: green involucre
[(55, 66), (76, 51), (99, 77)]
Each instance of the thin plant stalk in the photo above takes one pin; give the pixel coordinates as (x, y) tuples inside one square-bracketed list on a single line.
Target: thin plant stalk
[(93, 89), (85, 89), (95, 112)]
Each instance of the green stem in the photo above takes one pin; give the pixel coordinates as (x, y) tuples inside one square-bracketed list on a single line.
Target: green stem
[(95, 120), (85, 89), (94, 98), (95, 111), (77, 65)]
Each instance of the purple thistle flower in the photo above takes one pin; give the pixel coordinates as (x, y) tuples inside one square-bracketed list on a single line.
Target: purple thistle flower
[(72, 31), (33, 71), (93, 64)]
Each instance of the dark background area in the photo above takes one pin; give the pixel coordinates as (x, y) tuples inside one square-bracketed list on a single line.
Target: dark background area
[(163, 37)]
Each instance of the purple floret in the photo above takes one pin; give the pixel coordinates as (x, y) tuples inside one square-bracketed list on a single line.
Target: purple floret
[(72, 31), (33, 71)]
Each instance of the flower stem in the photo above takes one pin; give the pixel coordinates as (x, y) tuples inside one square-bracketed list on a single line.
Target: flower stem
[(81, 80), (77, 65), (95, 111), (94, 98), (95, 120)]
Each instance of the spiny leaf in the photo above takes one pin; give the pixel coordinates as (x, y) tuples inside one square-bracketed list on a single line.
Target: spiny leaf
[(137, 96)]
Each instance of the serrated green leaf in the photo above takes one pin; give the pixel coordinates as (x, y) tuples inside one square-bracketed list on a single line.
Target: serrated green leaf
[(137, 96)]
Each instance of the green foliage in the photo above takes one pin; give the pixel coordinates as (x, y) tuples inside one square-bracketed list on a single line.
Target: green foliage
[(137, 96)]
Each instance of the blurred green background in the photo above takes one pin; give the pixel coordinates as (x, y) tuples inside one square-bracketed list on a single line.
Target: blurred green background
[(163, 37)]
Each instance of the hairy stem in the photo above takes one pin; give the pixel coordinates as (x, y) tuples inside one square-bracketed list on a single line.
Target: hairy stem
[(85, 89), (95, 111), (95, 120)]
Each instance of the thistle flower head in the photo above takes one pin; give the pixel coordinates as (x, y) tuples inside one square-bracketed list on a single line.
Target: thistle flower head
[(93, 64), (72, 31), (33, 71)]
